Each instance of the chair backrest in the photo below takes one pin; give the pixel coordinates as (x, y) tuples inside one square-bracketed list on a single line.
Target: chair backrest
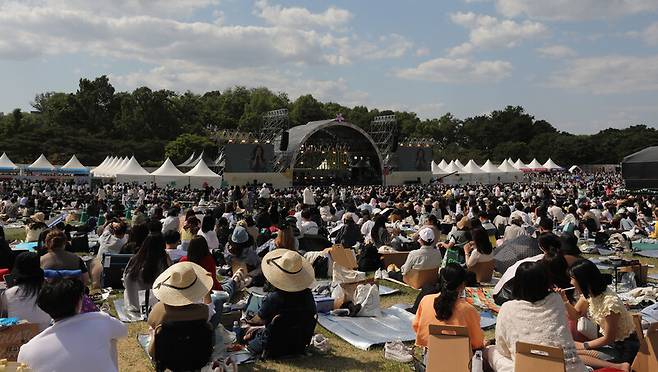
[(396, 258), (420, 278), (113, 267), (532, 357), (55, 274), (342, 256), (289, 334), (183, 345), (449, 349), (647, 356), (483, 271)]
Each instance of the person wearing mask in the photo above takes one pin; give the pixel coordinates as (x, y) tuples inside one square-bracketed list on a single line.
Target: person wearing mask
[(479, 249), (75, 342), (535, 315), (142, 269), (604, 307), (290, 276), (448, 307), (20, 300), (57, 258), (208, 232)]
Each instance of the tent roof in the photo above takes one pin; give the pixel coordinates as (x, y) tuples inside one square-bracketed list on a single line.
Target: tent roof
[(132, 168), (114, 167), (41, 163), (6, 163), (196, 161), (507, 167), (472, 167), (646, 155), (459, 163), (489, 167), (102, 164), (573, 168), (202, 170), (167, 169), (186, 162), (443, 164), (435, 168), (452, 168), (73, 163), (519, 164), (534, 164), (550, 164)]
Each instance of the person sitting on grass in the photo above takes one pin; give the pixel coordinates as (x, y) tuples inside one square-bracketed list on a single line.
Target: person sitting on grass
[(448, 307), (142, 269), (75, 342)]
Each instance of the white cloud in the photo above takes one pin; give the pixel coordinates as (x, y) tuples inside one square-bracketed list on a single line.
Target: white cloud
[(297, 17), (612, 74), (650, 34), (488, 32), (423, 51), (574, 9), (460, 70), (556, 51), (170, 8)]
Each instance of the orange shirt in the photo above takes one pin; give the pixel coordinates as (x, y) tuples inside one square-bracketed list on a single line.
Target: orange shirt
[(463, 314)]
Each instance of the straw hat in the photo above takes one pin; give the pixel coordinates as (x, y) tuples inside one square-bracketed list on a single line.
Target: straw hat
[(287, 270), (463, 223), (182, 284), (38, 217)]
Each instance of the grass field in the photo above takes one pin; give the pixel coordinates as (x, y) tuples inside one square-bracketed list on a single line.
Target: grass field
[(343, 356)]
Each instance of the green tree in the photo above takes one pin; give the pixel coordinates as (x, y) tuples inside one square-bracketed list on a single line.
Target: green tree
[(305, 109), (179, 149)]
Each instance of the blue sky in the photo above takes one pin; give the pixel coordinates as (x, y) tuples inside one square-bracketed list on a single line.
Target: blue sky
[(583, 65)]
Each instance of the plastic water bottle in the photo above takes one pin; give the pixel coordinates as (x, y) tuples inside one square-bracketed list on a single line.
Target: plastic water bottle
[(238, 331), (586, 234), (476, 362)]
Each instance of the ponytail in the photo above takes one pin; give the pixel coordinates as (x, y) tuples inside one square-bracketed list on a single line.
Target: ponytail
[(450, 279)]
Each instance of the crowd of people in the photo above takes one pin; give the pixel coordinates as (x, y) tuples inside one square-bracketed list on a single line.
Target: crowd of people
[(259, 236)]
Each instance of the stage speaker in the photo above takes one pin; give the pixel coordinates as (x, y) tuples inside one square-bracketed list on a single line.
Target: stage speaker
[(396, 139), (283, 146)]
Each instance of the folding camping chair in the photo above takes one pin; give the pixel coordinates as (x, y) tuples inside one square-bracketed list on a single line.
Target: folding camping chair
[(449, 349), (483, 271), (419, 278)]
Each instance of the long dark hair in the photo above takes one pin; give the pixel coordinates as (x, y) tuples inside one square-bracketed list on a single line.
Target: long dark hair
[(198, 249), (531, 282), (589, 278), (380, 221), (554, 259), (452, 277), (28, 274), (150, 259), (208, 223), (482, 242)]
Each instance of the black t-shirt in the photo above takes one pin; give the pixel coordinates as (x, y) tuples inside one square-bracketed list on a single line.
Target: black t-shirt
[(279, 302)]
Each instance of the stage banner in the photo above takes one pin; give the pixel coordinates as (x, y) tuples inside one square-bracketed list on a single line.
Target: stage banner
[(248, 157)]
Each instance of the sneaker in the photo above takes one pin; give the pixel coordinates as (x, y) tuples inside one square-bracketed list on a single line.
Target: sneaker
[(396, 351), (320, 343)]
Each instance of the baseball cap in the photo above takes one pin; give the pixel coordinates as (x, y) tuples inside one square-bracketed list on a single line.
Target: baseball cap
[(427, 235)]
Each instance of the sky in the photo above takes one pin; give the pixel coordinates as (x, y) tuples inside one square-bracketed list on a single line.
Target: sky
[(582, 65)]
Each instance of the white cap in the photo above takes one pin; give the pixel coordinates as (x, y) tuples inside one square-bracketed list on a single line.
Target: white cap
[(427, 235)]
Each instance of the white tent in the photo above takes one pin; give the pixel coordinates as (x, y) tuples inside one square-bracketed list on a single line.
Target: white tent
[(112, 172), (101, 165), (489, 167), (519, 165), (443, 164), (6, 164), (133, 172), (452, 168), (534, 164), (41, 165), (550, 165), (74, 166), (506, 167), (196, 161), (459, 164), (188, 161), (101, 170), (575, 169), (436, 169), (168, 174), (472, 168), (201, 174)]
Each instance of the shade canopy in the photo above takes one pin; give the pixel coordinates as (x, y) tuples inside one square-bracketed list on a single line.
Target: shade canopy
[(507, 167), (201, 175), (443, 164), (550, 165), (472, 168), (6, 164), (489, 167), (452, 167), (132, 168), (167, 169), (459, 164), (41, 165), (534, 164), (74, 166), (519, 165), (188, 161)]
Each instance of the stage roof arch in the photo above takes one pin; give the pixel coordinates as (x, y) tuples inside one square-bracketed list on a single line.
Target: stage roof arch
[(299, 135)]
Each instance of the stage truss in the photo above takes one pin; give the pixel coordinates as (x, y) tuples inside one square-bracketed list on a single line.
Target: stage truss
[(274, 123), (384, 132)]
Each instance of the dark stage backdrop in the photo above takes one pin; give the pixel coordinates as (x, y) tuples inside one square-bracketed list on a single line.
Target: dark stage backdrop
[(414, 159), (248, 157)]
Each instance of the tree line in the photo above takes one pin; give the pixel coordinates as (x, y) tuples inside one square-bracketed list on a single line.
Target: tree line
[(97, 120)]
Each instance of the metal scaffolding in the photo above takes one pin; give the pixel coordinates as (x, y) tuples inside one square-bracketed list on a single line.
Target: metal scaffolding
[(274, 123), (384, 132)]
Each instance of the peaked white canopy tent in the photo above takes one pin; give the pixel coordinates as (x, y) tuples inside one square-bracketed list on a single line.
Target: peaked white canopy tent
[(489, 167), (41, 165), (188, 161), (74, 166), (436, 169), (6, 165), (168, 174), (535, 165), (519, 165), (550, 165), (133, 172), (201, 175)]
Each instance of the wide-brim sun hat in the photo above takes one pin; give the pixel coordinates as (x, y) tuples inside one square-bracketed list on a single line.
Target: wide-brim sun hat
[(287, 270), (465, 222), (183, 283)]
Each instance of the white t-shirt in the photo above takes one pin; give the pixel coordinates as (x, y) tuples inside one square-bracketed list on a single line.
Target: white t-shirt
[(25, 308), (81, 343), (211, 239)]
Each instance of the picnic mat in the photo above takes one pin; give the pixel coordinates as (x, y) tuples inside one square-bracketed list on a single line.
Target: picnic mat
[(30, 246), (123, 315), (364, 332), (645, 246), (650, 254), (482, 298), (383, 290), (487, 319)]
